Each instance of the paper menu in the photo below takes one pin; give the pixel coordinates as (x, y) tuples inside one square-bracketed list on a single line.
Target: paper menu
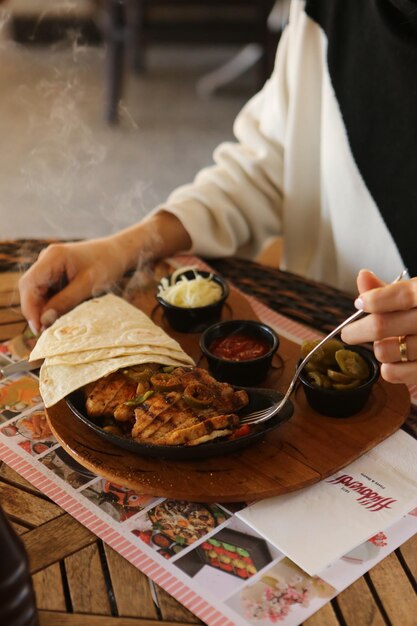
[(319, 524)]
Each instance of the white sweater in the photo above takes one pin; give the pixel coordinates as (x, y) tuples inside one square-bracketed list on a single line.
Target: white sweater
[(291, 173)]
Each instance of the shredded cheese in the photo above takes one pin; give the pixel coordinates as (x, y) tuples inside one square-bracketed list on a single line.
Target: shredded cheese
[(189, 292)]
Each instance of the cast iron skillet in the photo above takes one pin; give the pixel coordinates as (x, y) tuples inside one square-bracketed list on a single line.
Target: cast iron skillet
[(258, 399)]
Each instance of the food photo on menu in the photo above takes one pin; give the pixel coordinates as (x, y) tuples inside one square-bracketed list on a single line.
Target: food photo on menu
[(119, 502), (31, 431), (18, 395), (228, 551), (56, 464), (283, 593), (173, 525)]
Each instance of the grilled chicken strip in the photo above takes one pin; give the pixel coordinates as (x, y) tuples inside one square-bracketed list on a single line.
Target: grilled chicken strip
[(107, 393), (207, 427), (153, 409)]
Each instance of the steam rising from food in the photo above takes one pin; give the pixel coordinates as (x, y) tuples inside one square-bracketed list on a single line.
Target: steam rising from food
[(67, 174), (69, 166)]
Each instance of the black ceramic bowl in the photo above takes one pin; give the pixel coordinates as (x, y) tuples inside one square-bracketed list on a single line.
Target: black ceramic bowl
[(194, 319), (346, 402), (246, 372)]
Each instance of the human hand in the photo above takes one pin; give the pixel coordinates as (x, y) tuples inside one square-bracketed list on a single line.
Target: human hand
[(64, 275), (391, 324)]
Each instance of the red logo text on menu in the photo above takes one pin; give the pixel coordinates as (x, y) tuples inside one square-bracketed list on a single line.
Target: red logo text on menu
[(368, 498)]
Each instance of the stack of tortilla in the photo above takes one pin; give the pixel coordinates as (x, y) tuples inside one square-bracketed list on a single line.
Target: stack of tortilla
[(97, 338)]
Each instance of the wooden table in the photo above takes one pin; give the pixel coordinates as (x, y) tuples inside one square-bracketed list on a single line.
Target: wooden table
[(79, 580)]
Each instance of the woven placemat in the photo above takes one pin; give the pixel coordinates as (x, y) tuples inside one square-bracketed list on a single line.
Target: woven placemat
[(18, 254), (312, 303)]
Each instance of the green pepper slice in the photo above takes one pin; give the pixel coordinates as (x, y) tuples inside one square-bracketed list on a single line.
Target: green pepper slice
[(197, 395), (324, 357), (164, 381), (339, 377), (330, 348), (319, 380), (138, 374), (352, 364), (352, 385), (139, 399), (307, 347)]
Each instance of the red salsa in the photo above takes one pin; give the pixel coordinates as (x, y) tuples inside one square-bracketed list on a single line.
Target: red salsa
[(239, 347)]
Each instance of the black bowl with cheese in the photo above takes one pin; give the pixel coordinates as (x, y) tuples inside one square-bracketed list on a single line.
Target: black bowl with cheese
[(187, 289)]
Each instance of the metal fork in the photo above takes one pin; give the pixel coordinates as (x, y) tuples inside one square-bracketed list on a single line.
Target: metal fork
[(258, 417)]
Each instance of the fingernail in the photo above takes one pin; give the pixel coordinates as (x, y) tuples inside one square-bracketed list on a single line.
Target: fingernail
[(33, 327), (359, 303), (49, 317), (364, 269)]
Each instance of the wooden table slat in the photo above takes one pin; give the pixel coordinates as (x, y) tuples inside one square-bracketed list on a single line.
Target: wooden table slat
[(27, 507), (11, 330), (69, 536), (86, 582), (409, 553), (49, 589), (9, 298), (358, 605), (21, 530), (131, 587), (9, 281), (10, 315), (325, 617), (50, 618), (395, 591)]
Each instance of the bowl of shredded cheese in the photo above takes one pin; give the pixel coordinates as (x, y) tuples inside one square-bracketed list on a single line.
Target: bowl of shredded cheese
[(192, 299)]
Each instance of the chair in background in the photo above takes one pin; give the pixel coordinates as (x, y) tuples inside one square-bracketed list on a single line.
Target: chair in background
[(128, 29), (121, 24), (250, 54)]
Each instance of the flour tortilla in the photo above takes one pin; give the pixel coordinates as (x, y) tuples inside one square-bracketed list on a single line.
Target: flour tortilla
[(105, 322), (96, 339), (57, 381), (101, 354)]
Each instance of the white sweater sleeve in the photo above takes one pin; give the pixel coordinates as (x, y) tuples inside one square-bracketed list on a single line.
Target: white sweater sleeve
[(235, 205)]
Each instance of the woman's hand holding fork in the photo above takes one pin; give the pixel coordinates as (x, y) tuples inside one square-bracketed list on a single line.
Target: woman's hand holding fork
[(391, 325)]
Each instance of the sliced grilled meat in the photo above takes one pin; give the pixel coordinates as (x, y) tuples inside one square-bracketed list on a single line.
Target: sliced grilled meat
[(104, 395), (186, 436), (196, 409), (151, 409)]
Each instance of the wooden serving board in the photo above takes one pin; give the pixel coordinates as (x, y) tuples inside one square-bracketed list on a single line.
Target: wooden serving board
[(304, 450)]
